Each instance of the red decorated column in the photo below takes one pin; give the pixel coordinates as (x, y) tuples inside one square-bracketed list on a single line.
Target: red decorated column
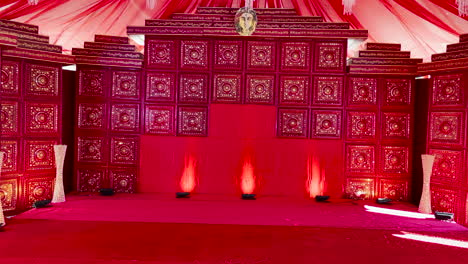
[(379, 130), (108, 115), (31, 109), (446, 129)]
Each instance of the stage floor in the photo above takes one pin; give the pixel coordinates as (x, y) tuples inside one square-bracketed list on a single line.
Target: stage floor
[(218, 209), (157, 228)]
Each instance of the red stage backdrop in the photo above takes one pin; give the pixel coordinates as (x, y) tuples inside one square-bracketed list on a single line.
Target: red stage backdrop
[(287, 104)]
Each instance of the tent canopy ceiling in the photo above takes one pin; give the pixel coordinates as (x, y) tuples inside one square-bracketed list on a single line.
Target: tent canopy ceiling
[(424, 27)]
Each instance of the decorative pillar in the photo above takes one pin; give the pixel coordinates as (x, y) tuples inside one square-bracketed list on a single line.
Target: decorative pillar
[(425, 203), (2, 217), (59, 193)]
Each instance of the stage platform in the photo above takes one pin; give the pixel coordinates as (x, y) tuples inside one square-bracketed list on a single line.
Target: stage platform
[(158, 228)]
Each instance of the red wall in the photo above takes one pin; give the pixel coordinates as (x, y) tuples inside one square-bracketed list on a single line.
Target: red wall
[(235, 132)]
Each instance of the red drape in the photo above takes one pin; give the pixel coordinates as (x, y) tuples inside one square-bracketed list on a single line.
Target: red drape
[(422, 26)]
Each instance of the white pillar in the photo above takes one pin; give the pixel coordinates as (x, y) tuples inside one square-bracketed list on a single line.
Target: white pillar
[(2, 217), (425, 203), (59, 192)]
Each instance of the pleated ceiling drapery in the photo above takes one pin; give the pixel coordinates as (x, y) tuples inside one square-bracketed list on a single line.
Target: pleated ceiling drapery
[(422, 26)]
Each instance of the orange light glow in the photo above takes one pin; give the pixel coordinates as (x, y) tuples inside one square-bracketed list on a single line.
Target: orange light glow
[(188, 181), (394, 212), (434, 240), (248, 178), (315, 184)]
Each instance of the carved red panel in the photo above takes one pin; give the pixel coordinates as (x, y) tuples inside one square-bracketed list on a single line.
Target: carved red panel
[(9, 84), (260, 89), (123, 181), (162, 53), (8, 194), (261, 55), (396, 125), (394, 189), (41, 118), (10, 157), (125, 117), (91, 116), (395, 159), (159, 120), (447, 127), (194, 54), (125, 85), (444, 200), (326, 124), (227, 88), (447, 90), (295, 56), (448, 165), (228, 54), (39, 154), (294, 90), (293, 122), (397, 92), (42, 80), (361, 125), (329, 57), (160, 86), (328, 90), (193, 88), (124, 150), (360, 158), (9, 117), (192, 121), (92, 82), (363, 91), (91, 149), (360, 188), (38, 189), (90, 180)]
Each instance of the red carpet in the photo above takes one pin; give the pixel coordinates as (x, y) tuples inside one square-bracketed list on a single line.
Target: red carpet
[(68, 233)]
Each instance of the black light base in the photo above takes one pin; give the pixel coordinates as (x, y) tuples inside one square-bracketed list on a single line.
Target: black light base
[(41, 204), (248, 196), (106, 191), (444, 216), (2, 225), (383, 200), (182, 195), (322, 198)]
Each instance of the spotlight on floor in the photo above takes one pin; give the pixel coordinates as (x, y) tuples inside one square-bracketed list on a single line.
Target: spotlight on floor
[(444, 216), (182, 195), (106, 191), (383, 200), (322, 198), (248, 196), (41, 204)]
